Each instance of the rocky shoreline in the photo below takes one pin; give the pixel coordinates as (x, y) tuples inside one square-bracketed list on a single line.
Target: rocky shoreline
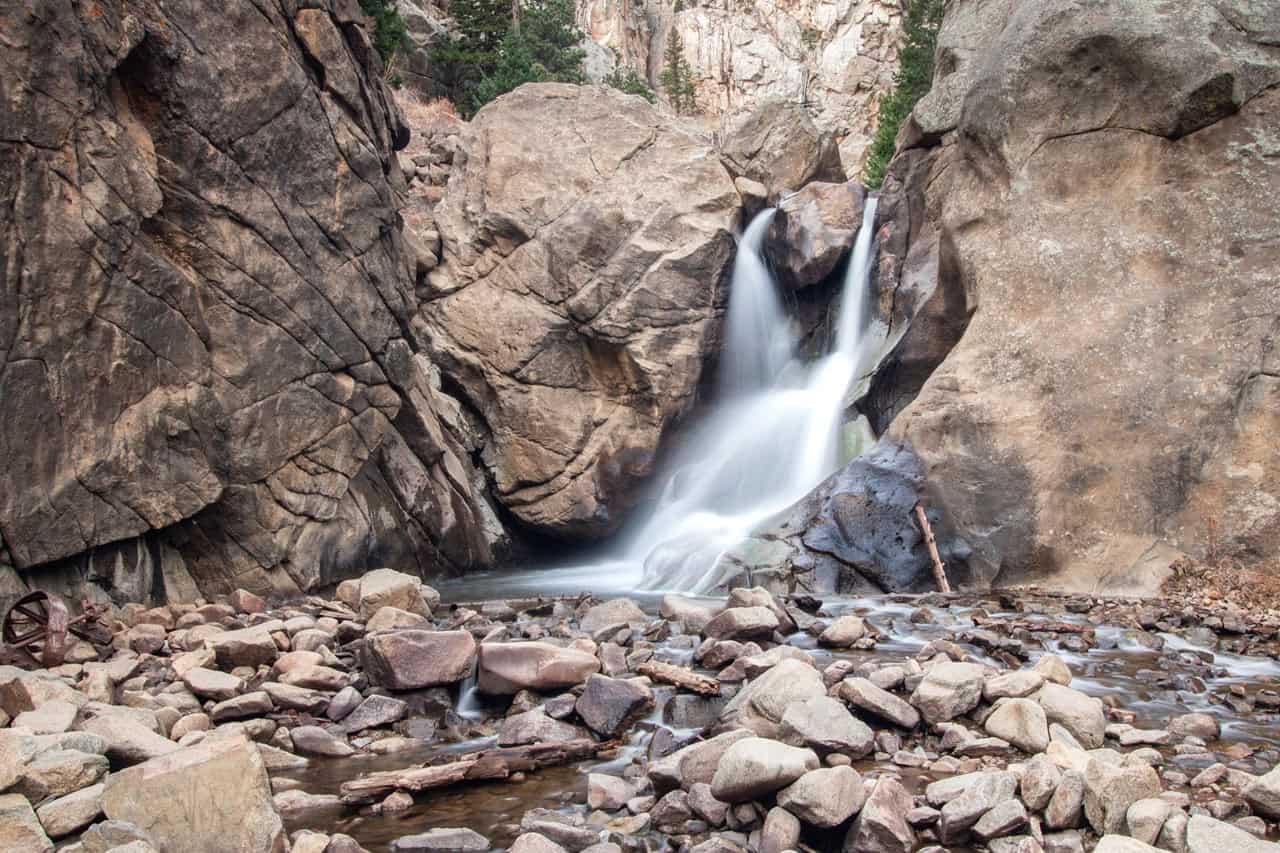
[(1031, 723)]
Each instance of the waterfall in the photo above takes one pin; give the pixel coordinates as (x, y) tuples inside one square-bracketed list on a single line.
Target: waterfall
[(773, 436)]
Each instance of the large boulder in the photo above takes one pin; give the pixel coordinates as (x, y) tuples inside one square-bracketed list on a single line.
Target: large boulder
[(755, 767), (413, 658), (812, 231), (209, 377), (508, 668), (171, 799), (1095, 362), (576, 300), (778, 145)]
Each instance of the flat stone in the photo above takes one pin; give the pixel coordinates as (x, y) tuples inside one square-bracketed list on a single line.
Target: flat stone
[(984, 792), (617, 611), (1124, 844), (1263, 794), (171, 795), (508, 668), (533, 842), (252, 647), (861, 693), (317, 677), (608, 792), (389, 588), (1005, 818), (536, 726), (390, 618), (373, 712), (314, 702), (72, 812), (1206, 835), (1145, 818), (58, 772), (1012, 685), (52, 717), (255, 704)]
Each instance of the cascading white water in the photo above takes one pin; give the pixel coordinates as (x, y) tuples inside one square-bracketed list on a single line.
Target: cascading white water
[(773, 437)]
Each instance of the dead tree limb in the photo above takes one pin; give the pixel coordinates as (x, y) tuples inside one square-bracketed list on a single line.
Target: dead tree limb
[(669, 673), (939, 570)]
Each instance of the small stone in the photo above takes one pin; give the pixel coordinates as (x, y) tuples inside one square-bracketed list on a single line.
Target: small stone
[(1020, 722), (843, 632), (1145, 818), (1066, 806), (442, 840), (1003, 819), (948, 690), (781, 831), (253, 704), (742, 623), (1053, 668), (609, 705), (313, 740), (373, 712), (212, 684)]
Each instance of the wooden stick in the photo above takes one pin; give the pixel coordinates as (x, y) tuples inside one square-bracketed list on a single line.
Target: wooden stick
[(939, 570), (485, 765), (669, 673)]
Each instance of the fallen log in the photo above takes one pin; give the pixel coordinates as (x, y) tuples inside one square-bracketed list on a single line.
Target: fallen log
[(481, 766), (680, 676)]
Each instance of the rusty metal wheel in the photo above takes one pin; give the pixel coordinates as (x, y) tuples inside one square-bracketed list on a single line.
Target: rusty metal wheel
[(36, 625)]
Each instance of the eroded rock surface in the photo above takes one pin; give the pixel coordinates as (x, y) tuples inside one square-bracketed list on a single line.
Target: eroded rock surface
[(576, 298), (207, 370), (1062, 221)]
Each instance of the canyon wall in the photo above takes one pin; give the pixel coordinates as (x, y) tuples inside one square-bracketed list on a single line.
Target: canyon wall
[(206, 364), (1083, 214)]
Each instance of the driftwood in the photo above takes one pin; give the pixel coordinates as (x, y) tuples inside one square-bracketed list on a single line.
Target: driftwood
[(939, 571), (489, 764), (669, 673)]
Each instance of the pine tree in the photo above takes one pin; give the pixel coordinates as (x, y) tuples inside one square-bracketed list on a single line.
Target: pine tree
[(462, 61), (543, 47), (677, 75)]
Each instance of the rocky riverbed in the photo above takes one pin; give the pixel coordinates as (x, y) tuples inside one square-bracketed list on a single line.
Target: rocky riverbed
[(384, 718)]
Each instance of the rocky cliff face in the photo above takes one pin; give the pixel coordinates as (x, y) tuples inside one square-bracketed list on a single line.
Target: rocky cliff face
[(577, 295), (834, 57), (208, 374), (1084, 216)]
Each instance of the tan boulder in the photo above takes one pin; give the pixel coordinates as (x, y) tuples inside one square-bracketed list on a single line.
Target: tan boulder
[(207, 798), (508, 668), (413, 658)]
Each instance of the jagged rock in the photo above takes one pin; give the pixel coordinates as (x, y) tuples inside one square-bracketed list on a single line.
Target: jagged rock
[(52, 717), (373, 712), (19, 829), (128, 741), (982, 793), (1054, 481), (1066, 806), (247, 646), (169, 796), (881, 826), (607, 294), (1110, 790), (508, 668), (57, 772), (826, 797), (948, 690), (754, 767), (608, 792), (1039, 781), (413, 658), (231, 339)]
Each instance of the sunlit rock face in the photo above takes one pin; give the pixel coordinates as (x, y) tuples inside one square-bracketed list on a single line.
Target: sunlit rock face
[(1085, 218), (207, 371), (836, 58), (582, 274)]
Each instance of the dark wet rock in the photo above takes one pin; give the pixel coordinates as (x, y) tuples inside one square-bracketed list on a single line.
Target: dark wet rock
[(374, 712), (610, 705)]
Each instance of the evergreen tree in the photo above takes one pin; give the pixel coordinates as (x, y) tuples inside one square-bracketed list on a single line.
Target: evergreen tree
[(543, 47), (464, 60), (390, 35), (625, 79), (677, 75), (921, 21)]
